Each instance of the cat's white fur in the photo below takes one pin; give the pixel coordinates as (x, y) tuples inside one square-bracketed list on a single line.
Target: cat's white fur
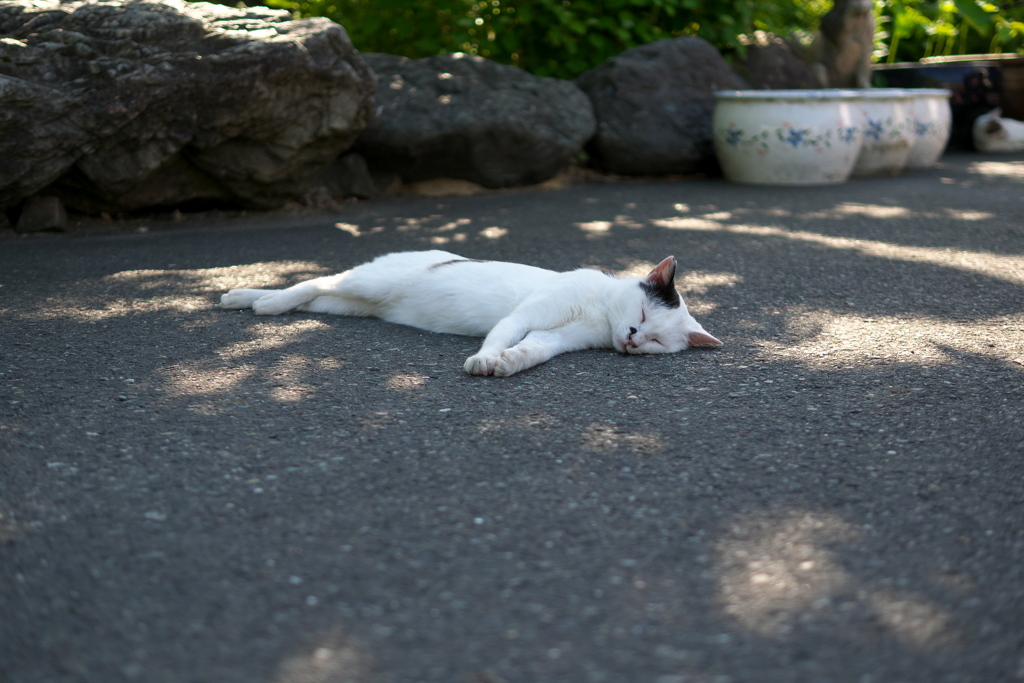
[(993, 133), (526, 314)]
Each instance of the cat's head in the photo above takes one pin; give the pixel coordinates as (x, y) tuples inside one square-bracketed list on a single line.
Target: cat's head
[(652, 318)]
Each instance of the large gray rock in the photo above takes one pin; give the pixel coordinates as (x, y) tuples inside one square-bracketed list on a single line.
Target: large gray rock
[(465, 117), (121, 104), (654, 105)]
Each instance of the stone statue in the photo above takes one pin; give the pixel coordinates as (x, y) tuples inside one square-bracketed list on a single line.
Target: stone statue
[(844, 45)]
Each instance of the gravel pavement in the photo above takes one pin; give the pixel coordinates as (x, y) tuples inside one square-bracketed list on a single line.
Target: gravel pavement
[(196, 495)]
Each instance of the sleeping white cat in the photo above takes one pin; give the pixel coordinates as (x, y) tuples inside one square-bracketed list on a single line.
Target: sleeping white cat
[(993, 133), (526, 315)]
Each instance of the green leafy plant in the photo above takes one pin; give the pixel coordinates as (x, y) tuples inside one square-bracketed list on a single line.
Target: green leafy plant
[(909, 30), (551, 37)]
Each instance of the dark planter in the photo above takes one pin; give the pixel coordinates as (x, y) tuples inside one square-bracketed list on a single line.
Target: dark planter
[(979, 84)]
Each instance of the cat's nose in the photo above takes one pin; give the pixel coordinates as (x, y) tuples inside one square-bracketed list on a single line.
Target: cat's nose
[(632, 331)]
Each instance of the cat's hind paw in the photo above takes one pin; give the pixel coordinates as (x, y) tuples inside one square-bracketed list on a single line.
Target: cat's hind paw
[(275, 303), (480, 364), (510, 362), (241, 298), (503, 368)]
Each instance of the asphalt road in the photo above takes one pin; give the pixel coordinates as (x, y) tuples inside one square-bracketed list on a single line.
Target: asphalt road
[(196, 495)]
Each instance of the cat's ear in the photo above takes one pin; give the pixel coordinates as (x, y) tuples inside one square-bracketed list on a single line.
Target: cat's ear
[(663, 274), (702, 339), (660, 283)]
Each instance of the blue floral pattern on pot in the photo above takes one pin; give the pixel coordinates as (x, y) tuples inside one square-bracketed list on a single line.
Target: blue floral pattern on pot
[(881, 129), (790, 135), (795, 137), (874, 129)]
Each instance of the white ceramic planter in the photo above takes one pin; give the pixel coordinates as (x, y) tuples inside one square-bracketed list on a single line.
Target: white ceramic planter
[(787, 137), (931, 123), (888, 131)]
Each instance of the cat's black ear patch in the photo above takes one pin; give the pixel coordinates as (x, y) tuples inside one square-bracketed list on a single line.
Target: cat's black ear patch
[(664, 296), (660, 284)]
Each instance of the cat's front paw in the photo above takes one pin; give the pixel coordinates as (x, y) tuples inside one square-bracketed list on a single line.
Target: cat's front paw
[(480, 364)]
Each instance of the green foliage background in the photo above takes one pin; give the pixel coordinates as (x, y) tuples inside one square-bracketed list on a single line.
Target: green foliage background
[(909, 30), (566, 37), (551, 37)]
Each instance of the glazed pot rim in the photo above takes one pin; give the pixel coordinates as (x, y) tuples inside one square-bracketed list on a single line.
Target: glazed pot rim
[(888, 93), (929, 92), (810, 94), (820, 94)]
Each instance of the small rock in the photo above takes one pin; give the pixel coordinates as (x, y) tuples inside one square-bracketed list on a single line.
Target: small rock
[(347, 176), (443, 187), (42, 213)]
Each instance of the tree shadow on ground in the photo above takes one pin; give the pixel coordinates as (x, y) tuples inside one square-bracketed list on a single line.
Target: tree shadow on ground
[(193, 493)]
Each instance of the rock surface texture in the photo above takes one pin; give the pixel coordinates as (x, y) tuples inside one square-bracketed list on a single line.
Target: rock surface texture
[(465, 117), (122, 105), (773, 63), (654, 105)]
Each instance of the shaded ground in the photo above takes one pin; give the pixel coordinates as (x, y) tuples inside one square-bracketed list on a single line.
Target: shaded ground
[(188, 494)]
